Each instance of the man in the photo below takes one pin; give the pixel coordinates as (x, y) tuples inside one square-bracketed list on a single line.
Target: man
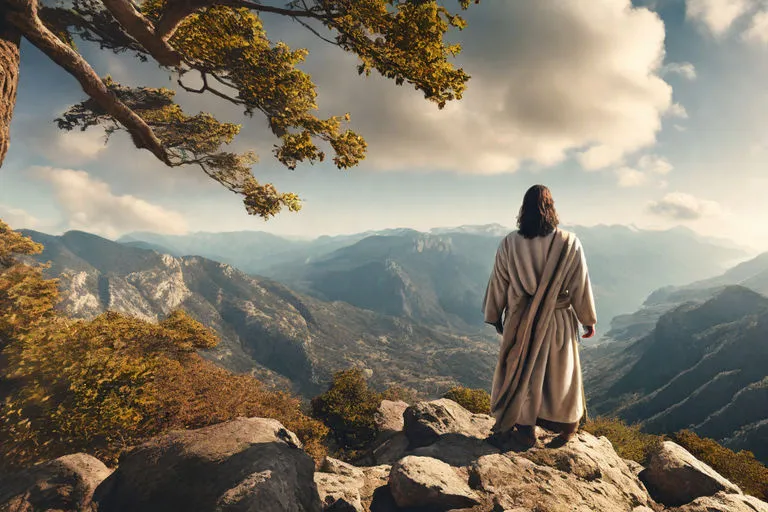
[(538, 292)]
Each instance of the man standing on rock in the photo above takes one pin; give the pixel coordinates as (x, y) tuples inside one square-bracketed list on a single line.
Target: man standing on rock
[(541, 286)]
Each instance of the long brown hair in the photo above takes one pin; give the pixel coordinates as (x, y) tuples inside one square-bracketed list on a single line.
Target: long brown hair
[(537, 215)]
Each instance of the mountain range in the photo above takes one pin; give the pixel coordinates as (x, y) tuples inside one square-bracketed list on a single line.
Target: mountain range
[(752, 274), (265, 328), (438, 278), (703, 366)]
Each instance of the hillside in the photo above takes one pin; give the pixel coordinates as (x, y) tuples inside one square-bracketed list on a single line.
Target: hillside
[(265, 327), (703, 366)]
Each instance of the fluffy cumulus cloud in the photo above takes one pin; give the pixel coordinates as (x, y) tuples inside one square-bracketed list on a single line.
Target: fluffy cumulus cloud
[(645, 169), (717, 15), (758, 28), (549, 79), (629, 177), (18, 218), (684, 69), (680, 206), (89, 204)]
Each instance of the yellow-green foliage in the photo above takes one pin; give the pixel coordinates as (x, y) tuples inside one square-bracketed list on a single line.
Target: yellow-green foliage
[(225, 51), (348, 409), (100, 386), (400, 393), (628, 441), (740, 468), (473, 400)]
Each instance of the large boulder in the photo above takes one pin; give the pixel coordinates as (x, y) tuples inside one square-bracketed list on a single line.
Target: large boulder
[(389, 418), (340, 493), (725, 502), (425, 422), (675, 477), (64, 484), (244, 464), (586, 474), (427, 482)]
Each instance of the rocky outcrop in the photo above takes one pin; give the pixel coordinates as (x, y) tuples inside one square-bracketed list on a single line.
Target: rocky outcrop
[(430, 483), (257, 465), (675, 477), (239, 465), (65, 484), (426, 422), (389, 418), (725, 502)]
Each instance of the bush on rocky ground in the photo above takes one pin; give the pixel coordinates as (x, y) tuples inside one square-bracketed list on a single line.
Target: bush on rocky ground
[(628, 441), (477, 401)]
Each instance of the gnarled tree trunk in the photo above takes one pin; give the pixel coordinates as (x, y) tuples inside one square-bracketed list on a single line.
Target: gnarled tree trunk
[(9, 79)]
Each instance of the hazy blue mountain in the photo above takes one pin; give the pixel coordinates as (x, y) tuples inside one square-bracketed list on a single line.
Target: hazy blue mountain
[(704, 366), (440, 277), (752, 274), (266, 328)]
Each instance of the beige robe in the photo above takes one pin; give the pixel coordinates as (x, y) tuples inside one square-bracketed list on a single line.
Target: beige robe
[(542, 287)]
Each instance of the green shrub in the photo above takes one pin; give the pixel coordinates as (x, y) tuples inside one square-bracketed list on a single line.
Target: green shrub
[(348, 409), (740, 468), (628, 441), (473, 400), (401, 394)]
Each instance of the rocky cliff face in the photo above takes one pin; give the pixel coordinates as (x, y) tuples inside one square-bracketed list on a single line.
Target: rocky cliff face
[(443, 462), (265, 328)]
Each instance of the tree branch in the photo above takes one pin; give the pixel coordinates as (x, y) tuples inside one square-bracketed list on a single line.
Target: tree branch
[(142, 30), (177, 10), (24, 17)]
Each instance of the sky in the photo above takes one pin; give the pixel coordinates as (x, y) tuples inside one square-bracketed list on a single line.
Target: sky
[(651, 114)]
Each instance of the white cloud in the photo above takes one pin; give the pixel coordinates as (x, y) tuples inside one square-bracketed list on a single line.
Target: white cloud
[(684, 69), (629, 177), (677, 110), (758, 28), (681, 206), (89, 204), (548, 78), (717, 15), (655, 164), (18, 218), (80, 145)]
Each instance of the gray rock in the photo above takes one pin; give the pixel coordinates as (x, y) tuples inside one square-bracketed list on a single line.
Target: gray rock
[(634, 466), (674, 477), (340, 493), (338, 467), (425, 422), (63, 485), (725, 502), (456, 449), (427, 482), (391, 450), (582, 476), (244, 464), (389, 417)]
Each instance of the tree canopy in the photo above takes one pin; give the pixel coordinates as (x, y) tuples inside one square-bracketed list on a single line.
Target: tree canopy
[(221, 48)]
